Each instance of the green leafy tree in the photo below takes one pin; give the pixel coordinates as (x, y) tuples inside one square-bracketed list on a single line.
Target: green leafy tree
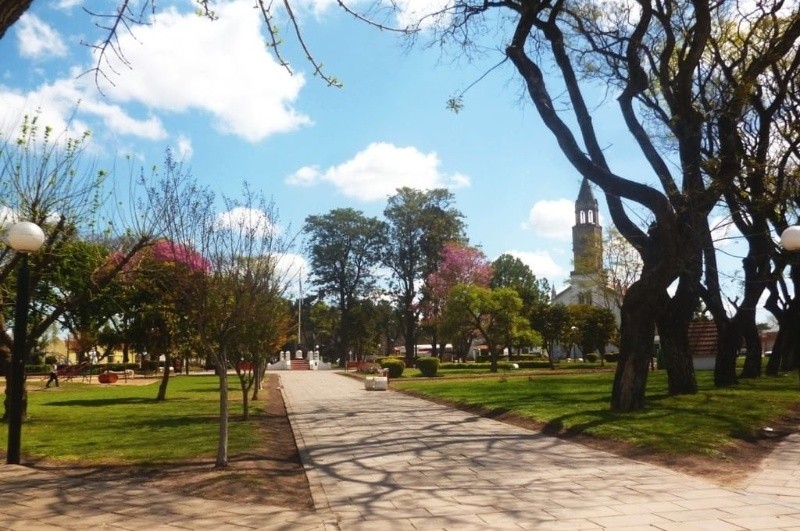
[(344, 247), (553, 323), (511, 272), (594, 327), (493, 315), (460, 264), (420, 222)]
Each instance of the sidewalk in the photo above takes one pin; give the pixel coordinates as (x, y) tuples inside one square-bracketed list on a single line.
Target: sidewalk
[(383, 460)]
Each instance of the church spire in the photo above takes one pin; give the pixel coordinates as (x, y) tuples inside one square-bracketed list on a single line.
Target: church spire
[(587, 235)]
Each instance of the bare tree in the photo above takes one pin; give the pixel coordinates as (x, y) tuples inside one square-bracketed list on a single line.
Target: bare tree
[(243, 276)]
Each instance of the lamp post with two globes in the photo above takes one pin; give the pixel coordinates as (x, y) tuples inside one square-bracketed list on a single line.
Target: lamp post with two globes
[(24, 237)]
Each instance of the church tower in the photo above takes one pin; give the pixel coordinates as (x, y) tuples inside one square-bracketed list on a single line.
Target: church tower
[(587, 235)]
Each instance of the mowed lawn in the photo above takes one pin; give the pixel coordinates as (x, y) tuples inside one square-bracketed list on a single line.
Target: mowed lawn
[(706, 423), (124, 424)]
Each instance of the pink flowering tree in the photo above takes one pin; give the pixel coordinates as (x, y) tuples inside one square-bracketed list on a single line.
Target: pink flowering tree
[(460, 264)]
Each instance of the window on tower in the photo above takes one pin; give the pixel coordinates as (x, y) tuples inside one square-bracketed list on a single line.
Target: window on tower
[(591, 217), (582, 216)]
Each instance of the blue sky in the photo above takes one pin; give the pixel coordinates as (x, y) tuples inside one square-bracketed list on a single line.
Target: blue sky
[(213, 93)]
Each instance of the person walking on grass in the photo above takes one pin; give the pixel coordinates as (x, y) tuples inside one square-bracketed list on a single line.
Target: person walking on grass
[(53, 375)]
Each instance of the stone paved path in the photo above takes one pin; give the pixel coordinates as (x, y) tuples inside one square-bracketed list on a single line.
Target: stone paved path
[(383, 460)]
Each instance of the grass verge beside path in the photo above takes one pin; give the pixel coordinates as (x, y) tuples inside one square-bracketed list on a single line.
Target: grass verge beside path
[(711, 423), (125, 425)]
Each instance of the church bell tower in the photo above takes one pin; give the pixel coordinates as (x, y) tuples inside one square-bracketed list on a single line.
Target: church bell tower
[(587, 235)]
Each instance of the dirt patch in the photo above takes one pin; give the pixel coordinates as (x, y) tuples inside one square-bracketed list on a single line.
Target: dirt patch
[(741, 460), (272, 474)]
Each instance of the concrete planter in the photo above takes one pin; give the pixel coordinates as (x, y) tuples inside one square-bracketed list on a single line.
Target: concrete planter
[(376, 383)]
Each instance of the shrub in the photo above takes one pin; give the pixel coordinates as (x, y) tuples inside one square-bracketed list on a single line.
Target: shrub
[(591, 357), (428, 366), (611, 357), (395, 366)]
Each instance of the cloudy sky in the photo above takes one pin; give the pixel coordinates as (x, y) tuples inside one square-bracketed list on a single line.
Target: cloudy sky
[(213, 92)]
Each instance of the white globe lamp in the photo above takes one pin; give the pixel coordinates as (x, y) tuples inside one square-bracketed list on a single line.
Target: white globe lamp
[(790, 238), (25, 237)]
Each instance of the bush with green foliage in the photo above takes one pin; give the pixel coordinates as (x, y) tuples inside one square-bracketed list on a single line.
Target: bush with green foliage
[(591, 357), (501, 365), (611, 357), (428, 366), (396, 366)]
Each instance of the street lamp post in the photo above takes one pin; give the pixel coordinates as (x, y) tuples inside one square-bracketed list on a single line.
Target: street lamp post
[(790, 238), (24, 237)]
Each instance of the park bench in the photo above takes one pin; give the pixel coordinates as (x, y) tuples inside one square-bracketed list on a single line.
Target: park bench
[(354, 365)]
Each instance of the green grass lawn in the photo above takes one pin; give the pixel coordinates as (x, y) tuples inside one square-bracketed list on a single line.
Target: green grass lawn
[(125, 425), (705, 423), (472, 369)]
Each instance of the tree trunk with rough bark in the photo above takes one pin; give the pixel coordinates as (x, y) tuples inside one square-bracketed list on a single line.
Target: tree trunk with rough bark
[(636, 348), (673, 330)]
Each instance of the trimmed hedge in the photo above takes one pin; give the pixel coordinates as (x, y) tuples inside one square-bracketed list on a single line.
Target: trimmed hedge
[(591, 357), (428, 366), (395, 366), (501, 365)]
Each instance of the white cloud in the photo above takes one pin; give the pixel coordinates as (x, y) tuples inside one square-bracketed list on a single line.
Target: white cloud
[(425, 14), (180, 63), (292, 267), (541, 263), (185, 62), (38, 40), (184, 148), (377, 171), (305, 176), (248, 220), (68, 4), (552, 219)]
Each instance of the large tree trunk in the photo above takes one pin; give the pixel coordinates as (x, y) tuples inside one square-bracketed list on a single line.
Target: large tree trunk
[(787, 344), (636, 348), (673, 330), (729, 340), (752, 360)]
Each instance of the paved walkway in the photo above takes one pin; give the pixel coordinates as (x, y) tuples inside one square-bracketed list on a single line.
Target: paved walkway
[(382, 460), (385, 461)]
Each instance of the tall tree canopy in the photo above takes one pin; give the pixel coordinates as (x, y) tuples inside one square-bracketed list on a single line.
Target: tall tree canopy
[(420, 222), (345, 247)]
